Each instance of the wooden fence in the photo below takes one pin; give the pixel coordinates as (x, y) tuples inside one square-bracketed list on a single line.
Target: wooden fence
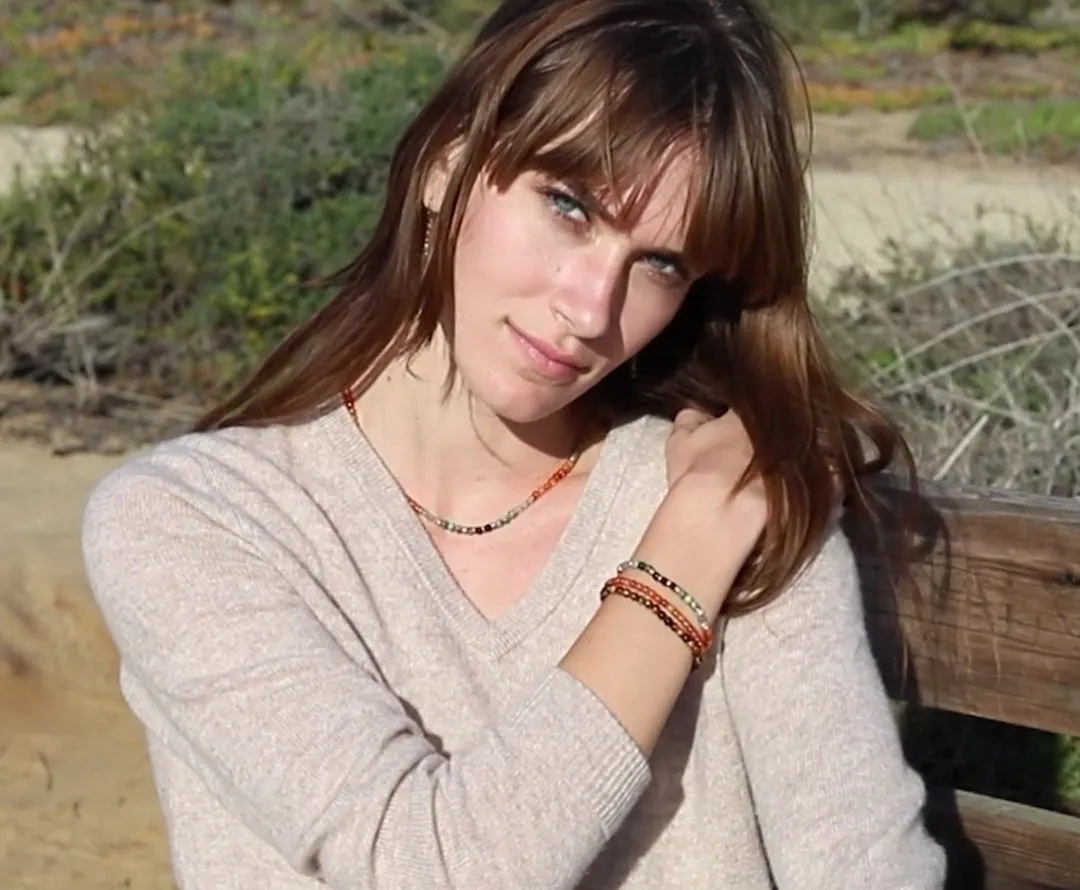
[(989, 625)]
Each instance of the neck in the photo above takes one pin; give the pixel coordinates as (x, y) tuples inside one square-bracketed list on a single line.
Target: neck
[(448, 452)]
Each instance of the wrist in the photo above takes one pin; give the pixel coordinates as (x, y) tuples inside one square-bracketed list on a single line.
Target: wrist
[(689, 541), (739, 517)]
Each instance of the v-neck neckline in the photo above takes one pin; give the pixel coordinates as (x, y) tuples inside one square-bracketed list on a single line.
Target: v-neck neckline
[(384, 503)]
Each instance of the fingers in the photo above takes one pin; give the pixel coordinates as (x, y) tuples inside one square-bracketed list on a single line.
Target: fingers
[(689, 419), (685, 424)]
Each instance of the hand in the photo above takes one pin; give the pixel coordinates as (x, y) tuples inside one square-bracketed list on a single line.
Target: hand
[(708, 456), (703, 530)]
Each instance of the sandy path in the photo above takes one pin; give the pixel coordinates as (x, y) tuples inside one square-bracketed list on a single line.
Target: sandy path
[(76, 805), (913, 202)]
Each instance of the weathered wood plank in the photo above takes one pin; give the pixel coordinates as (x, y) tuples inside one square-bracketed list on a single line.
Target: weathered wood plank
[(1002, 882), (991, 626), (997, 844)]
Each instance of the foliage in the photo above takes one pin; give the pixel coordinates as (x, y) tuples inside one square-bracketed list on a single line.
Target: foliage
[(1048, 127), (810, 20), (177, 242), (976, 348), (74, 61)]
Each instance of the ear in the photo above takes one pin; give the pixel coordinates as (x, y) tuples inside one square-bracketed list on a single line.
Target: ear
[(438, 176)]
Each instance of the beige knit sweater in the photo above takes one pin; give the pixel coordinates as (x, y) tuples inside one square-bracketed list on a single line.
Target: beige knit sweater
[(324, 706)]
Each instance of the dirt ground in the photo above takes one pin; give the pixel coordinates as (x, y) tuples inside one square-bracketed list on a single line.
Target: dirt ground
[(77, 808), (76, 803)]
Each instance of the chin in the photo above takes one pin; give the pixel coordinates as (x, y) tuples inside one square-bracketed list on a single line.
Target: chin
[(521, 401)]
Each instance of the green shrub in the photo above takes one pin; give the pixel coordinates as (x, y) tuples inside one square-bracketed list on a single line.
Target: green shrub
[(1010, 12), (177, 243), (805, 21), (811, 20), (1047, 127)]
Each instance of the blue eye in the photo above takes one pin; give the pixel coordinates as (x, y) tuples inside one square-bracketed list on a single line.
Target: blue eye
[(663, 265), (670, 270), (566, 205)]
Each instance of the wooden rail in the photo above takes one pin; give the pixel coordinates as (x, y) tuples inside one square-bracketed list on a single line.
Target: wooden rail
[(988, 624)]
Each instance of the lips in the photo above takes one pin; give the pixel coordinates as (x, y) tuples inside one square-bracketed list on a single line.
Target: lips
[(551, 353), (546, 359)]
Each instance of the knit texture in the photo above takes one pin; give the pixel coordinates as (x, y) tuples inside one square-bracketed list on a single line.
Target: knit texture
[(325, 707)]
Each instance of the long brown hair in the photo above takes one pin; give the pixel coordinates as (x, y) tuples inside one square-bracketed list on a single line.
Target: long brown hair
[(600, 92)]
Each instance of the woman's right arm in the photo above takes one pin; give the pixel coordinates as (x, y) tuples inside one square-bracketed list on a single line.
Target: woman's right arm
[(225, 663), (626, 656)]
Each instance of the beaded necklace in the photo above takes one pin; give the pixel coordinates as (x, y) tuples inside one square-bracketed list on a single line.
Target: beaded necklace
[(457, 528)]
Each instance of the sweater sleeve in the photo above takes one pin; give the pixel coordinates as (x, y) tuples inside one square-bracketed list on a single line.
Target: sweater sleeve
[(227, 666), (838, 805)]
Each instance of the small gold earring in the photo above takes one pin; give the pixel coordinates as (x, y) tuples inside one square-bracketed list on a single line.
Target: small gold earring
[(427, 237)]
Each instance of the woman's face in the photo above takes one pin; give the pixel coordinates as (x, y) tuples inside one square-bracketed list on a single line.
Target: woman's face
[(551, 294)]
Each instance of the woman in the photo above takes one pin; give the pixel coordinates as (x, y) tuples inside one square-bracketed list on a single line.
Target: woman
[(366, 656)]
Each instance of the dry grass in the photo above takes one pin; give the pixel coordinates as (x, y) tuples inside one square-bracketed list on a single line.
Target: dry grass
[(979, 358)]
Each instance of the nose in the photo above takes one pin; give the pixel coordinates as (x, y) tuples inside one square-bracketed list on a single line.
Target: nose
[(592, 292)]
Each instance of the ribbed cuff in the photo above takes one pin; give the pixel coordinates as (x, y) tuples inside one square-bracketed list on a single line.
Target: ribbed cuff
[(589, 749)]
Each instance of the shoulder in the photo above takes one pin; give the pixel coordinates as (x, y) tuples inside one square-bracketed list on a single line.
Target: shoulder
[(200, 524), (227, 481), (636, 453), (653, 434), (197, 465), (644, 442)]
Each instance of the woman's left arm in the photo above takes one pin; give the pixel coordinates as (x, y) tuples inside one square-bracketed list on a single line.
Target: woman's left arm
[(837, 804)]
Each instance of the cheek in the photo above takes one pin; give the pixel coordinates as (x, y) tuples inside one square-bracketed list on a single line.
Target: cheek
[(647, 311), (503, 253)]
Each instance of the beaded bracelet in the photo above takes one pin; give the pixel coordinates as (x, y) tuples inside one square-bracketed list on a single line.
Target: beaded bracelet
[(658, 606), (663, 580), (703, 636)]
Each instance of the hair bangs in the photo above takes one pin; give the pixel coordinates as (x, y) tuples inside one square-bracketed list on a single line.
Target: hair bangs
[(611, 122), (591, 125)]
